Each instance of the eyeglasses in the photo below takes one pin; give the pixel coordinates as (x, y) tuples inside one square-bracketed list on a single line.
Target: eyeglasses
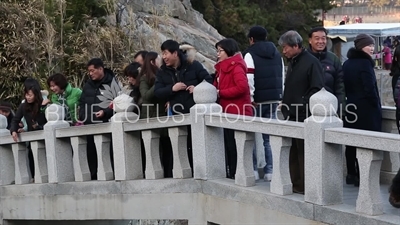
[(220, 50)]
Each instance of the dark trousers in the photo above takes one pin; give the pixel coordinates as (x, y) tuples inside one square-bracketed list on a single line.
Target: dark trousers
[(230, 153), (166, 155), (92, 156), (189, 147), (398, 119), (351, 161), (30, 159), (296, 164)]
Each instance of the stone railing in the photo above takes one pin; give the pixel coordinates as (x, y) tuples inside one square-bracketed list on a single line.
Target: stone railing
[(62, 156)]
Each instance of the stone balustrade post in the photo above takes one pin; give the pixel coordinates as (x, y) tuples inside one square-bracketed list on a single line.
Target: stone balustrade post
[(7, 167), (58, 151), (207, 142), (126, 146), (391, 160), (369, 200), (281, 183), (323, 166), (21, 167), (80, 161), (244, 173), (181, 166), (40, 161)]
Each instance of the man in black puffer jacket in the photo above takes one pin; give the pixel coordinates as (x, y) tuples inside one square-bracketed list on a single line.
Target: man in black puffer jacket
[(177, 78), (175, 82), (331, 65), (94, 104)]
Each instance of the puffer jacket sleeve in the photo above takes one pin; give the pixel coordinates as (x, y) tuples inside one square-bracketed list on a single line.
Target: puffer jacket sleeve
[(75, 97), (241, 85)]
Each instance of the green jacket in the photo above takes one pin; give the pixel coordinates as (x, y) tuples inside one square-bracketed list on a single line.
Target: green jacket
[(71, 97), (150, 102)]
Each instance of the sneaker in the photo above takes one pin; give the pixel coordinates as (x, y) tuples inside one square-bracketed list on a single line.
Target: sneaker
[(256, 175), (268, 177)]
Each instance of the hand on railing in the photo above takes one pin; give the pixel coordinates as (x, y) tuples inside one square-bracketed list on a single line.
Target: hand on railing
[(15, 136)]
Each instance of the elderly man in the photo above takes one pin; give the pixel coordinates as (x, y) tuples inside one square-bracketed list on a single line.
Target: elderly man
[(304, 78)]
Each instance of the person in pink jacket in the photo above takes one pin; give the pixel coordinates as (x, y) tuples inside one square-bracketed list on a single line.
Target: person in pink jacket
[(387, 57)]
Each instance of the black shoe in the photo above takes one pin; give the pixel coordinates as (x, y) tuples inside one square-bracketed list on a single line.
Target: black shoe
[(394, 200), (298, 191), (350, 179)]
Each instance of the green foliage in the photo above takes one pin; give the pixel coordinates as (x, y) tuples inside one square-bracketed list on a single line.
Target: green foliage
[(233, 18)]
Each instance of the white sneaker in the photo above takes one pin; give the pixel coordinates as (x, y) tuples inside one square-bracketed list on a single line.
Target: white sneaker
[(268, 177), (256, 175)]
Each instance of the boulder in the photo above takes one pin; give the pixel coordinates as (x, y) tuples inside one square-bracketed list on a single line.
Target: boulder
[(150, 22)]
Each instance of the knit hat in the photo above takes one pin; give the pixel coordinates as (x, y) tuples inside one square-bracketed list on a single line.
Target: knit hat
[(259, 33), (363, 40), (6, 106)]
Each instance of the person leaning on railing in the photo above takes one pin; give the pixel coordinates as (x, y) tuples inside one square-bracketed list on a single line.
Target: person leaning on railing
[(65, 95)]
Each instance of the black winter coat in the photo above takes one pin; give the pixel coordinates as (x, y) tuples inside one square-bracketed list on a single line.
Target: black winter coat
[(189, 73), (39, 120), (363, 110), (90, 103), (304, 78), (333, 74)]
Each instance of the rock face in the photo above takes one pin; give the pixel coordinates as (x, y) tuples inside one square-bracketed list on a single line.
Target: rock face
[(150, 22)]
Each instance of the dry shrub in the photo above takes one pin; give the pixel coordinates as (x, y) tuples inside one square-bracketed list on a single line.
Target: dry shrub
[(34, 45)]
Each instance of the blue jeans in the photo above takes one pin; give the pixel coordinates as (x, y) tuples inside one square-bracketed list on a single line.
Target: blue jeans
[(265, 111)]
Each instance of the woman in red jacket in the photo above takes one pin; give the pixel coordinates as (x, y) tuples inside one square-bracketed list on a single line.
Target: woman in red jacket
[(231, 79), (233, 93)]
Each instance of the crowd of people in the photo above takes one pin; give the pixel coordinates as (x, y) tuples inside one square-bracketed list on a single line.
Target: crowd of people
[(251, 83)]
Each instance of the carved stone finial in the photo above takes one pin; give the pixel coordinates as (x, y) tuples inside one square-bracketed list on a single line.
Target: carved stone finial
[(55, 112), (205, 93), (323, 103), (3, 122)]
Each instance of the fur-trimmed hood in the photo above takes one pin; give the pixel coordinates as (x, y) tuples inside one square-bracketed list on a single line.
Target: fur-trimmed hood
[(354, 53), (189, 51)]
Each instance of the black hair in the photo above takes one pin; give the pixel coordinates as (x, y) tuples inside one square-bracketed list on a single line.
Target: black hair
[(258, 33), (142, 53), (59, 79), (96, 63), (33, 107), (170, 45), (229, 45), (32, 82), (316, 29), (132, 70)]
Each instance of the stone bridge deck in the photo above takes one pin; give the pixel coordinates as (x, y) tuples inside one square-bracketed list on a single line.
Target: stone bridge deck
[(219, 201)]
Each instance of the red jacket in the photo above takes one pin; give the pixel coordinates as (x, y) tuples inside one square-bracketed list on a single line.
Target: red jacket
[(231, 81)]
